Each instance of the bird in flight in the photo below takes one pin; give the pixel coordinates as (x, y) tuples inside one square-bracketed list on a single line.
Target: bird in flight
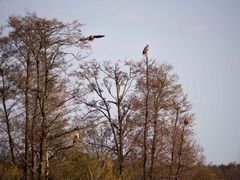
[(92, 37), (145, 50)]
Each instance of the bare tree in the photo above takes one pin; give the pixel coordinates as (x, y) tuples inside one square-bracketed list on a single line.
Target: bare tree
[(146, 118), (112, 101), (162, 89), (164, 134), (40, 47), (184, 152), (7, 91)]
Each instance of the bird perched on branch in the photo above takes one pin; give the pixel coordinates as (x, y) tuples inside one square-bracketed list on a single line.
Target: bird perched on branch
[(145, 50), (75, 138), (185, 122), (92, 37)]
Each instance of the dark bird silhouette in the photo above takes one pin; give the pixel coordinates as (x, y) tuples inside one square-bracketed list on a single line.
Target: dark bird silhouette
[(92, 37), (145, 50), (185, 122)]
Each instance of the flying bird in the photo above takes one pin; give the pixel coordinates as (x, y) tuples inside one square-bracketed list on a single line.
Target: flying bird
[(145, 50), (92, 37)]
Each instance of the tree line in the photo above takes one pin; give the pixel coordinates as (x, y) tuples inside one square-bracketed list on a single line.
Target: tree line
[(63, 116)]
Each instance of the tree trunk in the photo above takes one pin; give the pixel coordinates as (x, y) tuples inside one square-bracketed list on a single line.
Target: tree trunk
[(33, 143), (42, 104), (7, 120), (10, 140), (120, 133), (153, 146), (179, 166), (26, 170), (173, 146), (33, 133), (145, 131)]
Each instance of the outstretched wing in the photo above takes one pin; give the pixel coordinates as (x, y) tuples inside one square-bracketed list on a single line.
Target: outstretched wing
[(98, 36), (92, 37)]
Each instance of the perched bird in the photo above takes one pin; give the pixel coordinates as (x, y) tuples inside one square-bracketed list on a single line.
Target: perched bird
[(145, 49), (185, 122), (92, 37), (75, 138)]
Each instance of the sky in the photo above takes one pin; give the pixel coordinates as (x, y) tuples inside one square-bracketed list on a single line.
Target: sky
[(200, 38)]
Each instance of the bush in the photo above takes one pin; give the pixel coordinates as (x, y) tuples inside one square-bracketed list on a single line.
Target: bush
[(10, 172)]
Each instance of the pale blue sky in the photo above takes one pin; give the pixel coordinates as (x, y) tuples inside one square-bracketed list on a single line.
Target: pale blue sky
[(200, 38)]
